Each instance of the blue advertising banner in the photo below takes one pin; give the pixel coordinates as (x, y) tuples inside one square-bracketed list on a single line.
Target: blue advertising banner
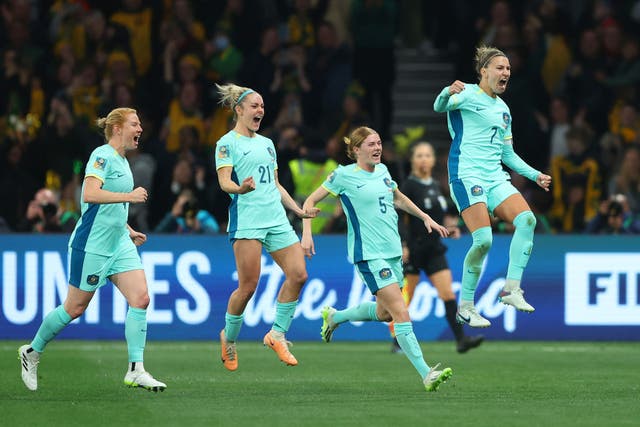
[(583, 288)]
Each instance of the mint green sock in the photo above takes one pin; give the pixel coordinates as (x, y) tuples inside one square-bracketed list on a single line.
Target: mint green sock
[(409, 345), (472, 266), (284, 315), (521, 244), (365, 311), (135, 332), (52, 324), (232, 325)]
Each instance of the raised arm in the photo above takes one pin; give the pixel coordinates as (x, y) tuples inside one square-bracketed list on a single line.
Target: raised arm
[(445, 101)]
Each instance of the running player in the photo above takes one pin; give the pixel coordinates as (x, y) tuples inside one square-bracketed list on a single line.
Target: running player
[(103, 246), (369, 197)]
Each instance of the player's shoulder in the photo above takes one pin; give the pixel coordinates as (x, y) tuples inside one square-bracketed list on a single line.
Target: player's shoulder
[(226, 139)]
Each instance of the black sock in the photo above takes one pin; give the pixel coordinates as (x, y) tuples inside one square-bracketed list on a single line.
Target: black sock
[(451, 307)]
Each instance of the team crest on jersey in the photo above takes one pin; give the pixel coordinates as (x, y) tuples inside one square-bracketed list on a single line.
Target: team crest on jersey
[(223, 152), (506, 118), (331, 177), (92, 279), (99, 163), (385, 273), (388, 182), (271, 153), (476, 190)]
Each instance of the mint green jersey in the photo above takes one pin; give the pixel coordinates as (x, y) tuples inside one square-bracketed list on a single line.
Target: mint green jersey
[(102, 227), (479, 126), (367, 199), (256, 157)]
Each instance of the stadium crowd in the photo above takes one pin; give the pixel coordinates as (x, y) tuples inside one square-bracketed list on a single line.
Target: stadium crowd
[(323, 67)]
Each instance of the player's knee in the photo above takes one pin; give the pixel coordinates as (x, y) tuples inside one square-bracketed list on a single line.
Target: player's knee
[(525, 221), (299, 277), (245, 294), (74, 311), (140, 301), (482, 241)]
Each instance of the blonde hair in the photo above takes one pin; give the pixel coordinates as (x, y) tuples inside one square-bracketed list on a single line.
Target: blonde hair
[(116, 117), (232, 95), (356, 139), (484, 55)]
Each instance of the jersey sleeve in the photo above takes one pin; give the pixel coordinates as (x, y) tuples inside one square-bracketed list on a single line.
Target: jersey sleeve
[(445, 102), (224, 154), (333, 183), (97, 166)]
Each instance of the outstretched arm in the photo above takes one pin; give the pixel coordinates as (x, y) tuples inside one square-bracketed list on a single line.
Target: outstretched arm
[(515, 163), (307, 236), (291, 204), (404, 203)]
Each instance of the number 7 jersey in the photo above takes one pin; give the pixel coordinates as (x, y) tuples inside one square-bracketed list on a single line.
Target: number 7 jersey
[(367, 200), (479, 126), (251, 157)]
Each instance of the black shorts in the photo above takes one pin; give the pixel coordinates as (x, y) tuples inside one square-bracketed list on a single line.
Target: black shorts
[(428, 258)]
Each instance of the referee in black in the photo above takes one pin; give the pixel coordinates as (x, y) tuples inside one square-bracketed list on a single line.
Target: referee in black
[(425, 251)]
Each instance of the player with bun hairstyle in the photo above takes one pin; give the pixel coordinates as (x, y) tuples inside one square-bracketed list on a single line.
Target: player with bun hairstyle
[(480, 127), (103, 246), (247, 170), (370, 198)]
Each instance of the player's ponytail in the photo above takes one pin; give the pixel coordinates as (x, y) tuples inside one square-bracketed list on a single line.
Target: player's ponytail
[(356, 139)]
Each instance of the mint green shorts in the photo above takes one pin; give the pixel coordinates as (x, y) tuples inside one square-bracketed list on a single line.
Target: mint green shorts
[(379, 273), (467, 192), (272, 239), (88, 271)]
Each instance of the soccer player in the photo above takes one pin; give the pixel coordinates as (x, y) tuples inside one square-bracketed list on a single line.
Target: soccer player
[(103, 246), (248, 171), (480, 126), (369, 197), (425, 251)]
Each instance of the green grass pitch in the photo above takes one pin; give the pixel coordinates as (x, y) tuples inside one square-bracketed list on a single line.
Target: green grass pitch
[(339, 384)]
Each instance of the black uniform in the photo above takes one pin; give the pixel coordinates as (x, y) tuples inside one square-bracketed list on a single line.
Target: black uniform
[(426, 250)]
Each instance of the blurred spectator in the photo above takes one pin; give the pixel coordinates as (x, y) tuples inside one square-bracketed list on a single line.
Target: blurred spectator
[(627, 180), (17, 186), (187, 217), (330, 73), (184, 110), (259, 71), (223, 60), (45, 216), (557, 129), (301, 24), (589, 98), (614, 217), (143, 168), (576, 184), (341, 122), (138, 19), (373, 26)]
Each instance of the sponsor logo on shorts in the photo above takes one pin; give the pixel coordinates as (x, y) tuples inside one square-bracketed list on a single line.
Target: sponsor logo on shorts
[(92, 279), (385, 273), (476, 190)]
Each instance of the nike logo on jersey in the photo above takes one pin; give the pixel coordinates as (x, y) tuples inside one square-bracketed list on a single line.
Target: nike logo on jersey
[(480, 108), (360, 186), (245, 153)]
